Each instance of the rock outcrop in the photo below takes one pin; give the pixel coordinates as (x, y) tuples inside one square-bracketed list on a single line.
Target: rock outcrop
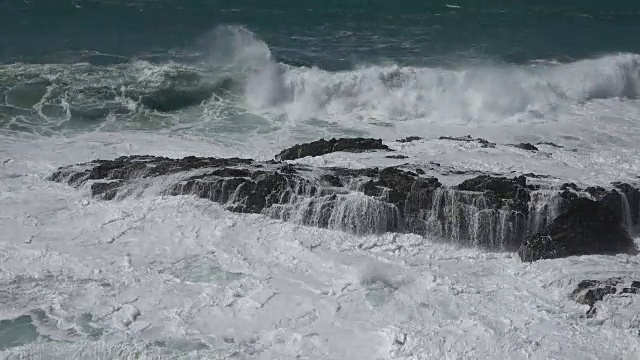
[(486, 210), (526, 146), (584, 226), (409, 139), (484, 143), (322, 147), (589, 292), (549, 143)]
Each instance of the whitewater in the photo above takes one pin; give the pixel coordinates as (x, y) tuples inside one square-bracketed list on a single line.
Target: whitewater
[(179, 277)]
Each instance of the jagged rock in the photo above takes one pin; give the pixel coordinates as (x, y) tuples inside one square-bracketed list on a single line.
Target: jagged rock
[(468, 138), (550, 144), (630, 290), (409, 139), (505, 188), (589, 292), (569, 186), (632, 198), (514, 189), (322, 147), (366, 200), (586, 227), (536, 176), (487, 211), (539, 246), (526, 146), (596, 191)]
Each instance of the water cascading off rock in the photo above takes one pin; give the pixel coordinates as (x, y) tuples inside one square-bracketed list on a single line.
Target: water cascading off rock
[(486, 211)]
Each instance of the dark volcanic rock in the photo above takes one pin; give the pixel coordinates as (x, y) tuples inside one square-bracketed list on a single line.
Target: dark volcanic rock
[(526, 146), (569, 186), (503, 187), (596, 191), (550, 144), (588, 292), (536, 176), (468, 138), (586, 227), (397, 157), (632, 199), (409, 139), (322, 147), (514, 189), (488, 211)]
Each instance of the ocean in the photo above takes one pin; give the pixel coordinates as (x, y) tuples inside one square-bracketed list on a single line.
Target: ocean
[(165, 277)]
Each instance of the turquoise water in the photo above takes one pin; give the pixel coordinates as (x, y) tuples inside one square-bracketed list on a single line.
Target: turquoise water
[(219, 68), (17, 332)]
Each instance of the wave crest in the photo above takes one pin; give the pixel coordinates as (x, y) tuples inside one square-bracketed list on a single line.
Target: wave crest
[(237, 80), (395, 93)]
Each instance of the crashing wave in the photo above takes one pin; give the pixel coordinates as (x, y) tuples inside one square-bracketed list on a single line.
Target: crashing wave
[(237, 71)]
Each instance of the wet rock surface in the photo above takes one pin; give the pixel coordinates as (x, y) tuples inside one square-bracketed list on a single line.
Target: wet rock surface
[(496, 212), (484, 143), (632, 198), (526, 146), (548, 143), (409, 139), (584, 226), (322, 147), (589, 292)]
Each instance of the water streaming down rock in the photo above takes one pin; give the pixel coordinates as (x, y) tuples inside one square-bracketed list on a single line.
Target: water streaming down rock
[(352, 212), (545, 206), (592, 224), (631, 197), (486, 211), (477, 219)]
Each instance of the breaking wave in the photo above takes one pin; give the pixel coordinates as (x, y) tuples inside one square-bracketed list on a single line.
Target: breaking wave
[(236, 79)]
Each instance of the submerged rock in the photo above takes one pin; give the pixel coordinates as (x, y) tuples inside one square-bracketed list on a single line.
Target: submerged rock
[(486, 210), (484, 143), (526, 146), (409, 139), (548, 143), (589, 292), (322, 147), (569, 186)]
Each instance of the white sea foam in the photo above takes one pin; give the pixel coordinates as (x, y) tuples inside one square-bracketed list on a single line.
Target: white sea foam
[(237, 91), (166, 276), (393, 99), (153, 277)]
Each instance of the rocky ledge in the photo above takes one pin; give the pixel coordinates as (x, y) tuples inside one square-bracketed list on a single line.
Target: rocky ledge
[(589, 292), (488, 211), (322, 147)]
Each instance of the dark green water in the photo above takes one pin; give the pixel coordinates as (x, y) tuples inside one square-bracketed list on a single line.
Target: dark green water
[(331, 34), (329, 67)]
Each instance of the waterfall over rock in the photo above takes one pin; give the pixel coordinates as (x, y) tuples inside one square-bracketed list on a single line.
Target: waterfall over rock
[(486, 211)]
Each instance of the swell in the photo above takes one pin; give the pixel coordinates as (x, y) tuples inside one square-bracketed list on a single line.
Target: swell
[(236, 73)]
